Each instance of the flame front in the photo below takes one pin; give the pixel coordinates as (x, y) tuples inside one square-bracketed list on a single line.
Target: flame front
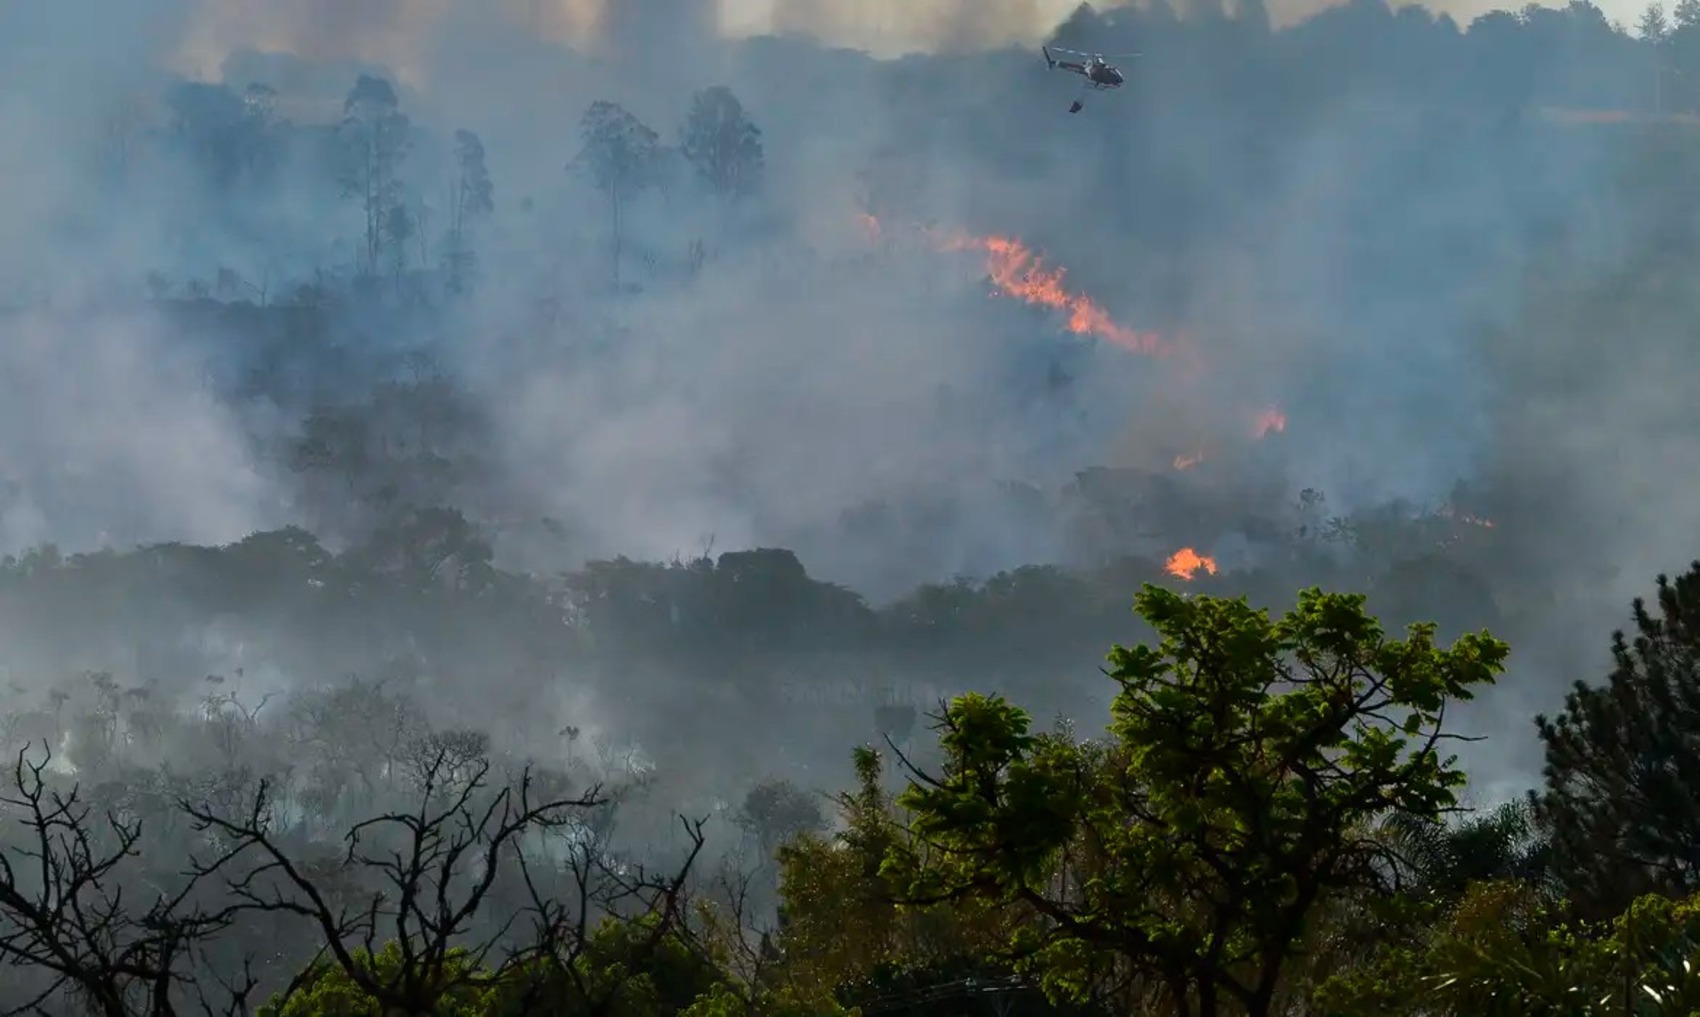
[(1017, 272), (1270, 421), (1448, 512), (1185, 563)]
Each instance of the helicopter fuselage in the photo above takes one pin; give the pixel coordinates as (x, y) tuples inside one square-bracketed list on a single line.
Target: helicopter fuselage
[(1099, 73), (1102, 75)]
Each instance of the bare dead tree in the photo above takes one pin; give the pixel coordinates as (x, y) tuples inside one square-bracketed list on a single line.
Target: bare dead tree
[(734, 929), (444, 758), (63, 909), (435, 868), (601, 887)]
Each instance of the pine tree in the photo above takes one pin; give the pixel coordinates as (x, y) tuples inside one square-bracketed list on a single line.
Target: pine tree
[(1621, 801)]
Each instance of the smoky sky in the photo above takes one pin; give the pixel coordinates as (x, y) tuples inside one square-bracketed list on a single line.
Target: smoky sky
[(1363, 221), (403, 34), (810, 370)]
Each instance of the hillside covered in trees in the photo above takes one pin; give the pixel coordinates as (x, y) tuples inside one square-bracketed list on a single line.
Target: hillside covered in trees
[(1273, 820), (632, 524)]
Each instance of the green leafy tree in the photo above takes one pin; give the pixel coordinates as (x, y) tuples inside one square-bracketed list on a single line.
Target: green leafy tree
[(1247, 765), (1445, 860), (1623, 763), (1508, 950), (725, 1001), (620, 973), (627, 968), (327, 990), (636, 968), (843, 933)]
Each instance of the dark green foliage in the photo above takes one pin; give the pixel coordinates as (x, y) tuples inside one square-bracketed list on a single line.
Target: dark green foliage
[(1198, 846), (1443, 860), (1623, 762)]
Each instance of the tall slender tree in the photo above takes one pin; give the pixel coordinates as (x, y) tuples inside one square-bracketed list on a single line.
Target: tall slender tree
[(1654, 29), (472, 197), (376, 140), (621, 154)]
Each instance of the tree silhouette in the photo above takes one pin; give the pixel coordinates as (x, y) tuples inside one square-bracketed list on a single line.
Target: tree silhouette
[(621, 155), (722, 145), (375, 134), (64, 908), (776, 812), (1623, 762), (472, 197), (438, 864)]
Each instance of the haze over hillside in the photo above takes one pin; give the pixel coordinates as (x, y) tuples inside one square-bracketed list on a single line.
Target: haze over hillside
[(391, 390), (1365, 301)]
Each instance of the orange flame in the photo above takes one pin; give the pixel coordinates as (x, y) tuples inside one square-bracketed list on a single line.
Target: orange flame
[(1270, 421), (1448, 512), (1185, 563), (1017, 272)]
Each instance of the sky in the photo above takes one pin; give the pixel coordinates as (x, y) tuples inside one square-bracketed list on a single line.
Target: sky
[(883, 26), (393, 32)]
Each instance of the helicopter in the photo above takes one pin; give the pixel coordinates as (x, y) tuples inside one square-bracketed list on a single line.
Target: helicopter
[(1098, 72)]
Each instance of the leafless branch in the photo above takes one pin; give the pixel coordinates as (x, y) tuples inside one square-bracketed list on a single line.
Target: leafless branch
[(605, 888), (433, 870), (63, 910)]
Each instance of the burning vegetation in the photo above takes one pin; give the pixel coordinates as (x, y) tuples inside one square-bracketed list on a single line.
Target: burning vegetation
[(1017, 272), (1187, 563)]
